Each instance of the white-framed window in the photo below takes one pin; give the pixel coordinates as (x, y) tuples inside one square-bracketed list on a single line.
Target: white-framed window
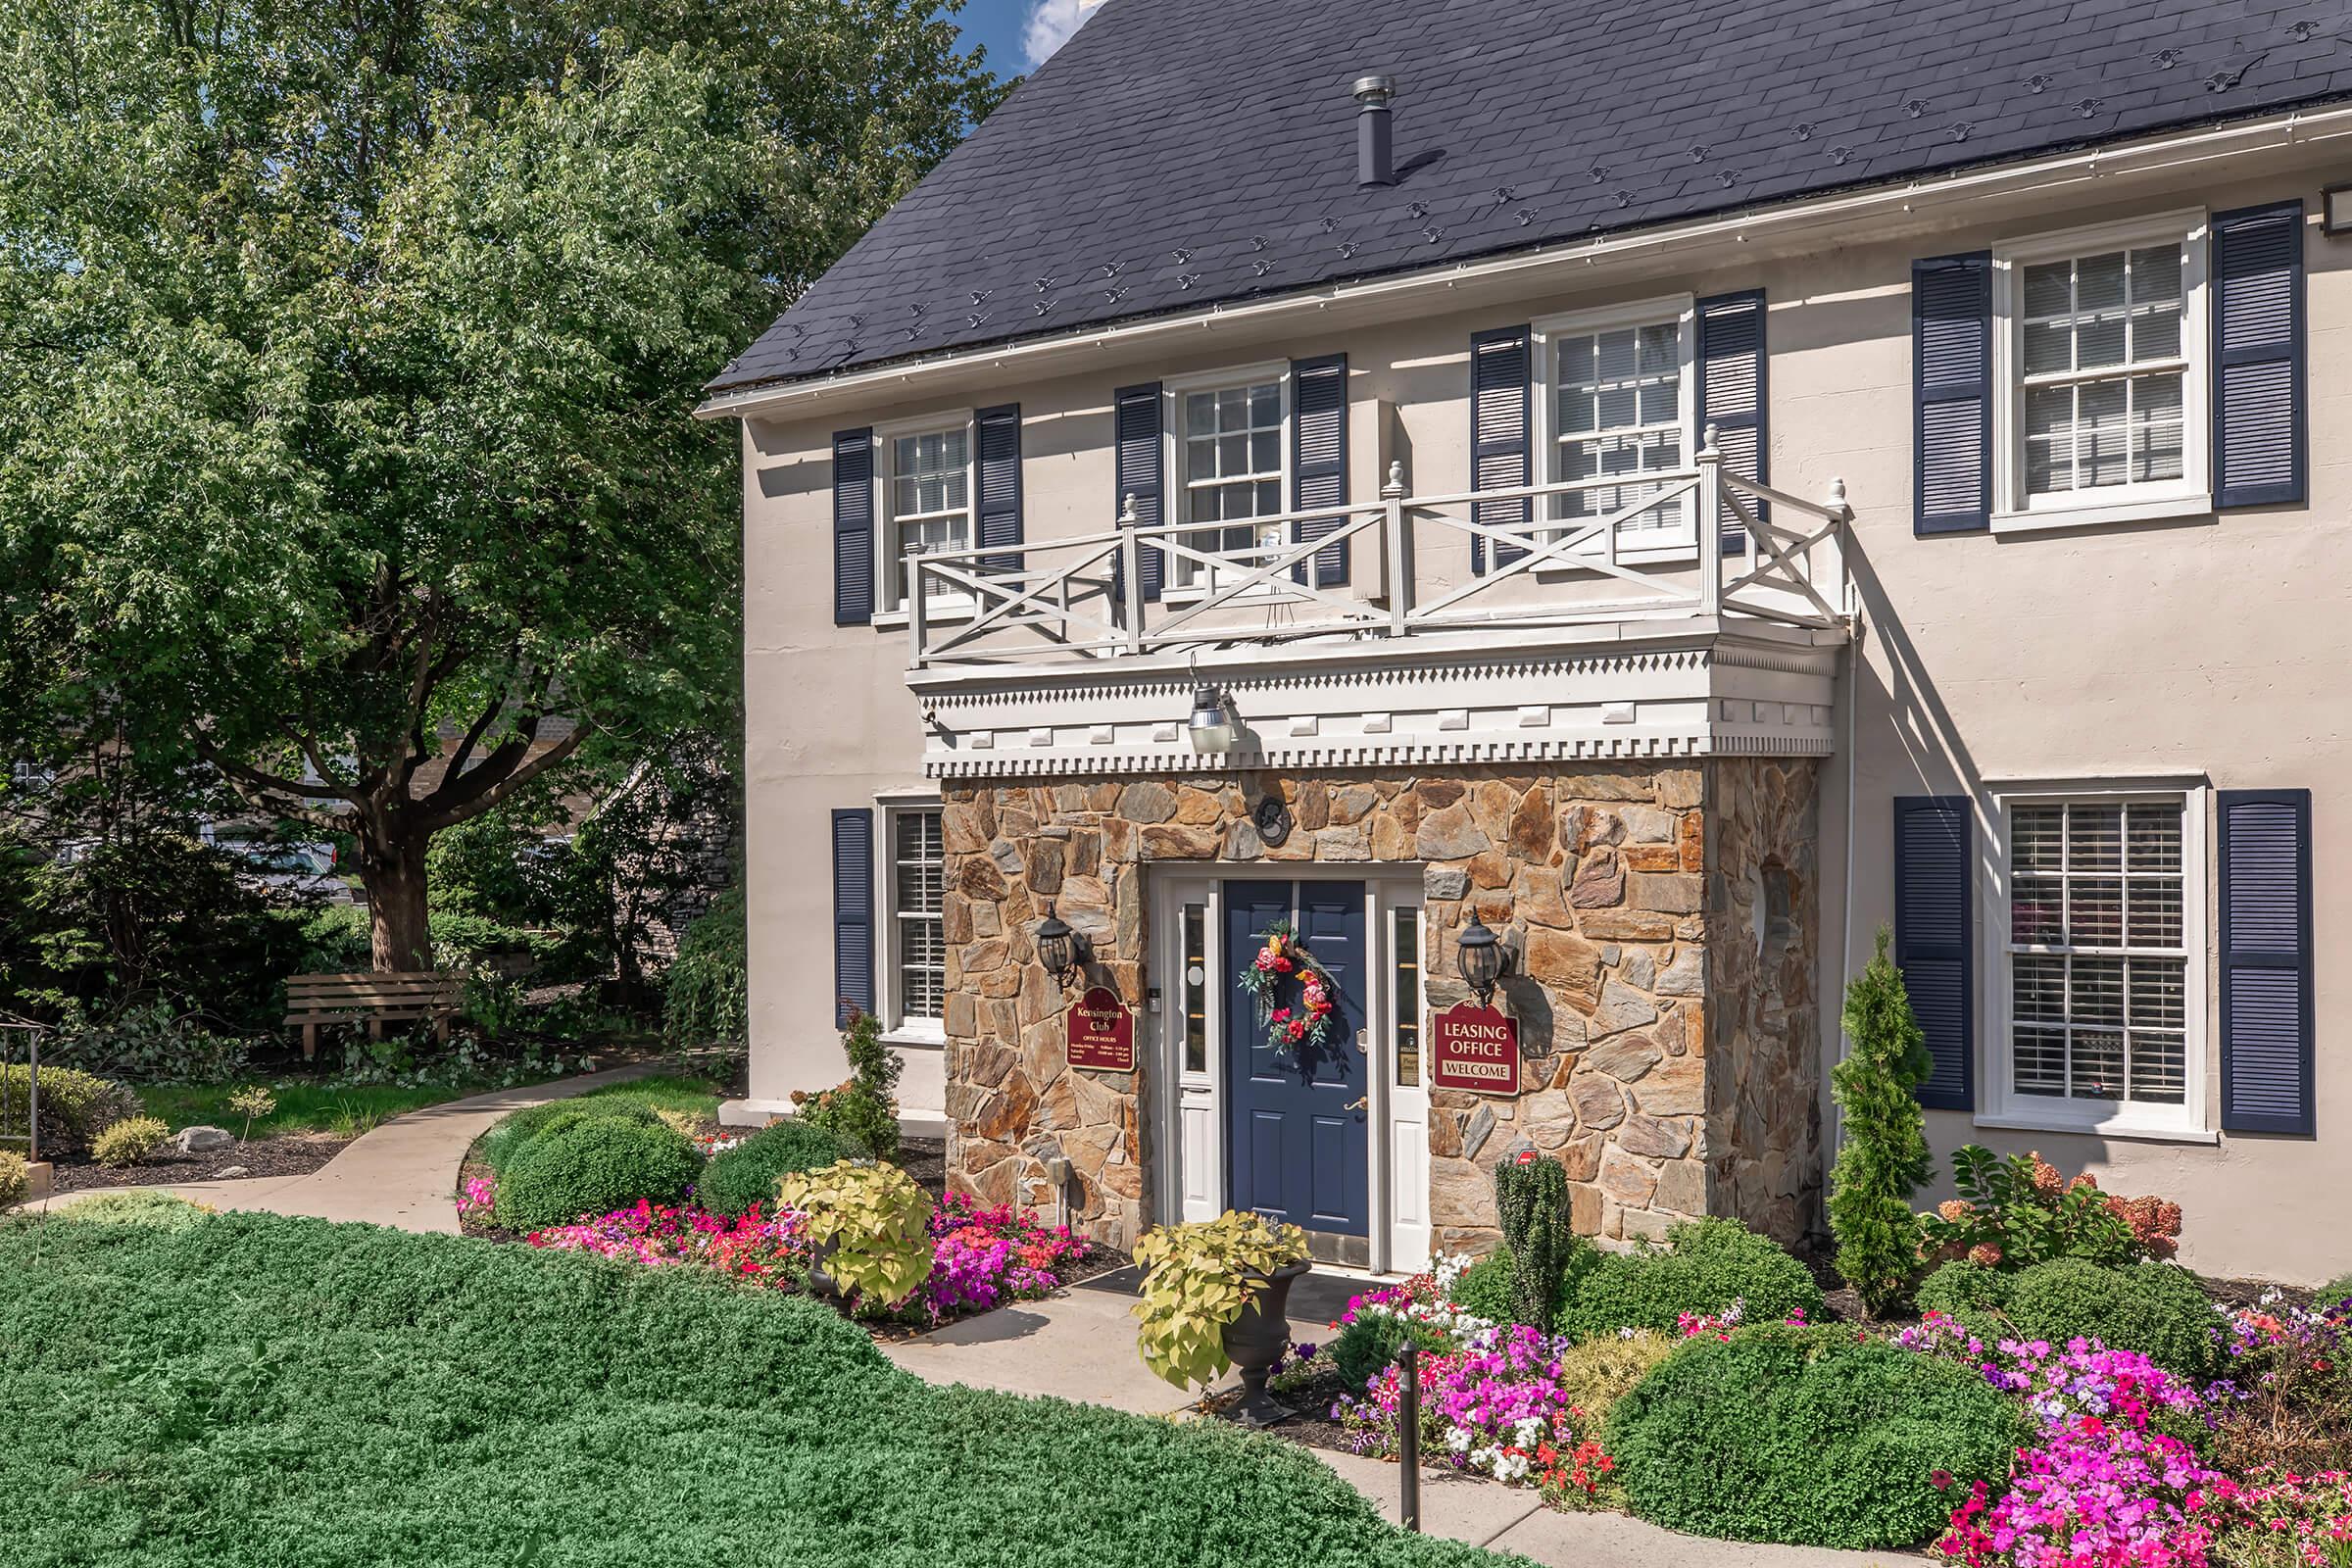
[(2100, 370), (1617, 391), (914, 893), (2097, 935), (928, 485), (1228, 455)]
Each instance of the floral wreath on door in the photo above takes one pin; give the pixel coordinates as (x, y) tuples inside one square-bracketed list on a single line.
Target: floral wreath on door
[(1305, 1027)]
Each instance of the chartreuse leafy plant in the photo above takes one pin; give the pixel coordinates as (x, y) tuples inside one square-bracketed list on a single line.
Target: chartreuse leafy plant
[(431, 1401), (874, 1218), (129, 1140), (1199, 1276), (347, 391), (1883, 1158), (12, 1177)]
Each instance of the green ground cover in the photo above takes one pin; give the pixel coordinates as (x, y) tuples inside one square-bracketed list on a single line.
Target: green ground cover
[(259, 1390)]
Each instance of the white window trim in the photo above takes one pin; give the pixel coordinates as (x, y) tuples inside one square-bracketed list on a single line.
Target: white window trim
[(1999, 1106), (2190, 495), (1172, 394), (899, 1029), (890, 605), (1544, 337)]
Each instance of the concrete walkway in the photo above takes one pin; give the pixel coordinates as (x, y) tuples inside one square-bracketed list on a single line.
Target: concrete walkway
[(1081, 1346), (403, 1174)]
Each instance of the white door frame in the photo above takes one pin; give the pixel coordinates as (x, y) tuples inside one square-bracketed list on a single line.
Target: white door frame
[(1187, 1161)]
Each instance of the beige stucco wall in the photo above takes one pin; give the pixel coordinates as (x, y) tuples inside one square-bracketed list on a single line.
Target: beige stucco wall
[(2208, 646)]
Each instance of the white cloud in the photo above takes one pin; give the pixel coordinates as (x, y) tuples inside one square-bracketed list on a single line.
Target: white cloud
[(1051, 24)]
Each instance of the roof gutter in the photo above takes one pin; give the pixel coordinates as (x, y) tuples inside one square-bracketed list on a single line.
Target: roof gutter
[(2147, 156)]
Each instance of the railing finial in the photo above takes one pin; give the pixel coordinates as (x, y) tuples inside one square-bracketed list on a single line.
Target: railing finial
[(1127, 515), (1707, 441), (1837, 502), (1395, 485)]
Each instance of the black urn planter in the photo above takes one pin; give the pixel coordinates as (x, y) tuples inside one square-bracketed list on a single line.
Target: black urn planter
[(1256, 1341), (822, 1283)]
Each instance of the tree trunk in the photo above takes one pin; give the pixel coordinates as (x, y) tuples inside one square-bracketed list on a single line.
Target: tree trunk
[(394, 877)]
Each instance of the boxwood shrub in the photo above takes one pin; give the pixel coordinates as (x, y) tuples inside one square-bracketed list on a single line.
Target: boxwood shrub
[(593, 1166), (426, 1400), (1705, 1267), (504, 1143), (1970, 1294), (1372, 1343), (76, 1106), (1485, 1287), (1807, 1436), (747, 1173), (2158, 1310)]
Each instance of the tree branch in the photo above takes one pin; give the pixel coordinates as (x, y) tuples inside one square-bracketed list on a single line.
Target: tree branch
[(268, 793), (473, 803)]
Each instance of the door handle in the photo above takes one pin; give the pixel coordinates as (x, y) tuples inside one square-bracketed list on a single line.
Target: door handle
[(1364, 1104)]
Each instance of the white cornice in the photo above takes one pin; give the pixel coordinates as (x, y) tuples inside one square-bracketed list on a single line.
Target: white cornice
[(1691, 688), (1666, 243)]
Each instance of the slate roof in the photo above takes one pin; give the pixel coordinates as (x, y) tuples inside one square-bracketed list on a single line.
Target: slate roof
[(1177, 154)]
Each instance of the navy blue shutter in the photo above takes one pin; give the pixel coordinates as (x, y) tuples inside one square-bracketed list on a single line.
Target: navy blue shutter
[(1501, 453), (854, 528), (2267, 1016), (1319, 459), (1951, 377), (998, 434), (2259, 440), (1732, 393), (1136, 433), (853, 912), (1934, 938)]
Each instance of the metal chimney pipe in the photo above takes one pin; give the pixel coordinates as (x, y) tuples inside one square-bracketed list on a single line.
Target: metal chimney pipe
[(1374, 164)]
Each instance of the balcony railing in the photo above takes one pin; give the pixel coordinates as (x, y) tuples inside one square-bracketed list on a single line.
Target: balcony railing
[(1083, 597)]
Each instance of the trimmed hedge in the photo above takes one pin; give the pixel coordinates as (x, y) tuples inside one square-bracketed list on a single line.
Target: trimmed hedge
[(747, 1173), (1484, 1289), (1807, 1436), (505, 1143), (1705, 1267), (262, 1390), (2158, 1310), (591, 1167), (1370, 1344), (1970, 1294)]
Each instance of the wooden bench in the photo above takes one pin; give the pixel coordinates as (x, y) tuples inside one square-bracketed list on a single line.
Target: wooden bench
[(313, 1000)]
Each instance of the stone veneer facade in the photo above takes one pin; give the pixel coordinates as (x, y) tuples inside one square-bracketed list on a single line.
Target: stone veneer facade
[(1666, 1014)]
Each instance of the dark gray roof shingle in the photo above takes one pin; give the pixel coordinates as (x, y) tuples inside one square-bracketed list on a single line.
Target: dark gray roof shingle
[(1177, 154)]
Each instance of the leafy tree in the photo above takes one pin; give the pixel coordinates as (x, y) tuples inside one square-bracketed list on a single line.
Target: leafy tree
[(348, 357), (1883, 1158)]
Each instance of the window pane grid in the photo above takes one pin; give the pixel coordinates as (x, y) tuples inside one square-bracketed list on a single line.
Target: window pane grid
[(1232, 467), (918, 879), (2098, 970), (1617, 411), (930, 497), (2101, 369)]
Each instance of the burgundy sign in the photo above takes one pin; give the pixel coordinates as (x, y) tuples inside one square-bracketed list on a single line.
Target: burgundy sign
[(1102, 1031), (1476, 1048)]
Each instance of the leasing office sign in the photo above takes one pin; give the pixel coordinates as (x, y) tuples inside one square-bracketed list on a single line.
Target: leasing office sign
[(1476, 1048)]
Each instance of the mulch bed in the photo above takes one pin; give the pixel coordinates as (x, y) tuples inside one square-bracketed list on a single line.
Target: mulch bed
[(292, 1155)]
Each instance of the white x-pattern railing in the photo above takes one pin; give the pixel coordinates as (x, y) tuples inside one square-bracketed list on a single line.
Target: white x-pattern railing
[(1084, 597)]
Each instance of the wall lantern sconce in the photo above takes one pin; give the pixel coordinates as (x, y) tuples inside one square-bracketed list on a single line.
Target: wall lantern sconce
[(1059, 948), (1214, 725), (2336, 210), (1484, 960)]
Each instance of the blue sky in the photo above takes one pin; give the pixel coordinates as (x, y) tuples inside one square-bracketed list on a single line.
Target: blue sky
[(1020, 34)]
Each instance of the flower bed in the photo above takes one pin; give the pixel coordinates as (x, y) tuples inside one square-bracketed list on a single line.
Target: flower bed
[(983, 1257)]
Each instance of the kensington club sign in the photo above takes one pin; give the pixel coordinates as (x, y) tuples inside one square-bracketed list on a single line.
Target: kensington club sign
[(1476, 1048), (1102, 1031)]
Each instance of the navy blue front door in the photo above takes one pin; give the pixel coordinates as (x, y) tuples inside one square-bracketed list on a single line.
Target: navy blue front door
[(1295, 1133)]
